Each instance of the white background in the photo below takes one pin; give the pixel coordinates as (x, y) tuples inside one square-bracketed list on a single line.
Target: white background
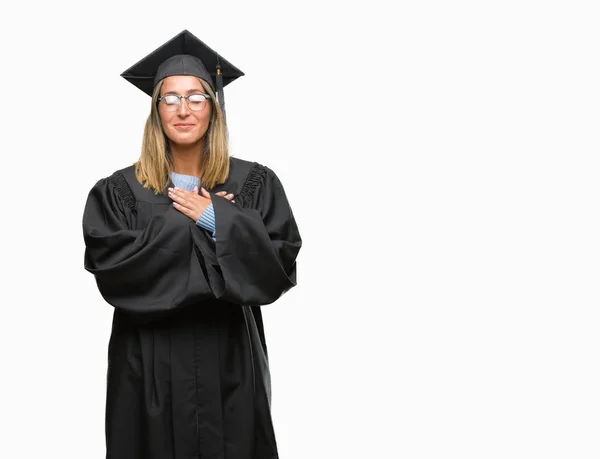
[(441, 159)]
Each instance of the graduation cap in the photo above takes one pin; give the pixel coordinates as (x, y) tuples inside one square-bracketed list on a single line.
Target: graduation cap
[(184, 54)]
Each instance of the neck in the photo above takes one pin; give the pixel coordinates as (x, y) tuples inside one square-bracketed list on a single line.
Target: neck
[(187, 158)]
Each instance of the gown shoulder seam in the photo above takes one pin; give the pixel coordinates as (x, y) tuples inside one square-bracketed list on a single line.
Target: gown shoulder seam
[(123, 189), (255, 177)]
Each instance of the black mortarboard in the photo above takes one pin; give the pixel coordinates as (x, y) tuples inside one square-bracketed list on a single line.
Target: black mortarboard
[(184, 54)]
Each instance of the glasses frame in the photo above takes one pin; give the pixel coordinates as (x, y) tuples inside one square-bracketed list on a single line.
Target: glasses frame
[(207, 96)]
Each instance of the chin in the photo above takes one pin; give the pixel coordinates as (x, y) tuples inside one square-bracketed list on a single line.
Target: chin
[(185, 139)]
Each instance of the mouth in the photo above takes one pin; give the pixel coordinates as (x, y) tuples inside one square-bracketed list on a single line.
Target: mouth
[(184, 126)]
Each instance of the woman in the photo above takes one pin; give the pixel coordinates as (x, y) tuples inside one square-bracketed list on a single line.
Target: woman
[(187, 244)]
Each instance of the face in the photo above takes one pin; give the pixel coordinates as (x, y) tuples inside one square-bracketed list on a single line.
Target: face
[(184, 126)]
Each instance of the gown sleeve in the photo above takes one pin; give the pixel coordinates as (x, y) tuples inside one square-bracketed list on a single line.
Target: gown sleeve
[(145, 272), (257, 242)]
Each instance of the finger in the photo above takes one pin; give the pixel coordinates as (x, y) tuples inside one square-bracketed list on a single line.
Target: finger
[(181, 208), (181, 193), (229, 196), (176, 192), (178, 197), (195, 190), (205, 193), (221, 193)]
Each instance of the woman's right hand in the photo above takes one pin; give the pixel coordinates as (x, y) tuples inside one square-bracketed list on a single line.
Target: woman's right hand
[(192, 204)]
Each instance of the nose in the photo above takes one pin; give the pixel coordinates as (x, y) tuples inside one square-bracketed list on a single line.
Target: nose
[(183, 108)]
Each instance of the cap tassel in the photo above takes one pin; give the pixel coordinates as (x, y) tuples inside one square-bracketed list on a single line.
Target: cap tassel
[(220, 94)]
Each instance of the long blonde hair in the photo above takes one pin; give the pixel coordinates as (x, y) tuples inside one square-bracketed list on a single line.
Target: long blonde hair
[(153, 167)]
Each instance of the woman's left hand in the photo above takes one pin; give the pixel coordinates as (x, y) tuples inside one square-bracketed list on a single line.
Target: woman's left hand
[(191, 203)]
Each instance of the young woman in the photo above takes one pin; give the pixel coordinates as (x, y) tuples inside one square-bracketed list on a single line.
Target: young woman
[(187, 244)]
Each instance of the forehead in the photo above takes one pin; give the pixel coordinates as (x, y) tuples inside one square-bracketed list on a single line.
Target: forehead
[(181, 84)]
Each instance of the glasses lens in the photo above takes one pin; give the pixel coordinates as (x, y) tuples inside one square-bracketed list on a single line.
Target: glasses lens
[(196, 102), (170, 102)]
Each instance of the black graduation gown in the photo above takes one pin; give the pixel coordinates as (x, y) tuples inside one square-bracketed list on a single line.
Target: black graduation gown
[(188, 373)]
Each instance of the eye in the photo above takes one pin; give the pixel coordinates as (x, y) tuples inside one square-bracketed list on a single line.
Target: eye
[(196, 98), (171, 100)]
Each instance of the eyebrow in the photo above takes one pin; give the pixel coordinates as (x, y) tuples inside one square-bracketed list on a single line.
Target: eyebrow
[(189, 91)]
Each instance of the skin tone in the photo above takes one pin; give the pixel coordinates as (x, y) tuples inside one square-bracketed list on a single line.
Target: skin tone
[(186, 129)]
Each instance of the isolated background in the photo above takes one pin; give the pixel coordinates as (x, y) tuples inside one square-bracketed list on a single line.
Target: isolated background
[(441, 159)]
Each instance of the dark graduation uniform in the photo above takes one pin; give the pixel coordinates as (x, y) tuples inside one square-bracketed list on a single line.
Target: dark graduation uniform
[(188, 374)]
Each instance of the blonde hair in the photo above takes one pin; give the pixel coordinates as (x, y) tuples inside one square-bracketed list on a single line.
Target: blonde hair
[(153, 167)]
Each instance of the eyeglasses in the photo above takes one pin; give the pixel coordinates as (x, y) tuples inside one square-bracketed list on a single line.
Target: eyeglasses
[(171, 102)]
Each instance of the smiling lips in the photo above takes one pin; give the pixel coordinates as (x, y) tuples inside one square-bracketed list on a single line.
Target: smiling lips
[(184, 126)]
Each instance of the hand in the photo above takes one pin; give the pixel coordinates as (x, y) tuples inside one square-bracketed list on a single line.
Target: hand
[(192, 204), (225, 195)]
